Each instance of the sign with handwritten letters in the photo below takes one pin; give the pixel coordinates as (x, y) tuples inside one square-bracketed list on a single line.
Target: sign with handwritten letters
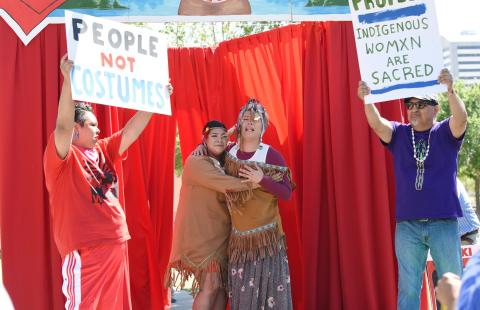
[(118, 65), (398, 46)]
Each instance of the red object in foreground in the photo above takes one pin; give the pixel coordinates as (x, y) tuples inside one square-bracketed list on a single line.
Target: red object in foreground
[(27, 14)]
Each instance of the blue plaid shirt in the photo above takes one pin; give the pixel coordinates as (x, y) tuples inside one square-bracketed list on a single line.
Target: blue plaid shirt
[(469, 222), (470, 291)]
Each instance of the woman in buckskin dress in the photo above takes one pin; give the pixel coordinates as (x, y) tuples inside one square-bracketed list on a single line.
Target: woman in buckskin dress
[(202, 224)]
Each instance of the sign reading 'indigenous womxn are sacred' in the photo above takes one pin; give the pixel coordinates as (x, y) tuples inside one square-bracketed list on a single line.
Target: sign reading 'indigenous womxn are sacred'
[(116, 64), (398, 47)]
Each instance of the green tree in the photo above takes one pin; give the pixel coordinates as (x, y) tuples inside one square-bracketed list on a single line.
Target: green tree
[(105, 4), (469, 158), (78, 4), (92, 4), (178, 157), (117, 5), (206, 34)]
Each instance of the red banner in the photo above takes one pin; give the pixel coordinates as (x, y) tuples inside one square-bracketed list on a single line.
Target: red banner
[(27, 15)]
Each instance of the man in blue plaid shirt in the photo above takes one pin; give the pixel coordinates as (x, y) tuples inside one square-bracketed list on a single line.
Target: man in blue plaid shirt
[(469, 224)]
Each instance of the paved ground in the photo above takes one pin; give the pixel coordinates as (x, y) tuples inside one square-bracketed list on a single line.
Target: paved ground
[(183, 301)]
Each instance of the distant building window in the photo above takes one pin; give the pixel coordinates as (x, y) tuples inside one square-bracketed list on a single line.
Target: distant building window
[(469, 55), (468, 32), (469, 62), (470, 70), (467, 47)]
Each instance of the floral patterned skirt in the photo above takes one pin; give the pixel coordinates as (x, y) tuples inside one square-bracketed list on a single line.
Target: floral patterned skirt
[(261, 284)]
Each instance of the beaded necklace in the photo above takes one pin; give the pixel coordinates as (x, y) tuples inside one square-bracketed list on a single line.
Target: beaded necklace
[(420, 160)]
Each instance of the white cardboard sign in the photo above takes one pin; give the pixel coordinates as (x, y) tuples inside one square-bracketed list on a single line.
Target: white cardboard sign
[(398, 47), (117, 64)]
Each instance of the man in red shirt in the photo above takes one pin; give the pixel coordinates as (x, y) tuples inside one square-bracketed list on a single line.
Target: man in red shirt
[(89, 225)]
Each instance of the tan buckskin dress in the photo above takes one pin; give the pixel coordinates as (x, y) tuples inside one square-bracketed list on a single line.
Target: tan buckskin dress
[(202, 225)]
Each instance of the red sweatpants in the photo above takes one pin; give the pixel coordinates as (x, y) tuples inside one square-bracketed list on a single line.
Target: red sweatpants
[(97, 278)]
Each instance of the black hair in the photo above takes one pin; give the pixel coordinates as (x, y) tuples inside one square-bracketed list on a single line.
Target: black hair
[(212, 124), (81, 108)]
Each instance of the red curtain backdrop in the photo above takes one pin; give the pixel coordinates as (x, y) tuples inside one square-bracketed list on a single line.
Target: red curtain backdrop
[(347, 209), (215, 84), (339, 223)]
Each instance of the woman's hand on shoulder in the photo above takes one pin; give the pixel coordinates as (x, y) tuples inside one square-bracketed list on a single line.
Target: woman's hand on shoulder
[(251, 174), (277, 177), (200, 150)]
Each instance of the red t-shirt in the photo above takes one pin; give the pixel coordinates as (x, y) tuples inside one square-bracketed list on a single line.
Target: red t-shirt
[(84, 203)]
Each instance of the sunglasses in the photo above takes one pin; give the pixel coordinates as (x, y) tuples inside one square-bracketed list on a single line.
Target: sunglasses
[(419, 104)]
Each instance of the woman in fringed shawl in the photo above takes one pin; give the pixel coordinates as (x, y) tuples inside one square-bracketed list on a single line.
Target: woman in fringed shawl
[(202, 224), (259, 276)]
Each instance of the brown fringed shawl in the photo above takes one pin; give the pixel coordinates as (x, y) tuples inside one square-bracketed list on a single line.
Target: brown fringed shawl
[(256, 225), (202, 224)]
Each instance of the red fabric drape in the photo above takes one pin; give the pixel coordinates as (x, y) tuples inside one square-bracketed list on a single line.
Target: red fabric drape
[(29, 80), (29, 91), (149, 203), (348, 207)]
